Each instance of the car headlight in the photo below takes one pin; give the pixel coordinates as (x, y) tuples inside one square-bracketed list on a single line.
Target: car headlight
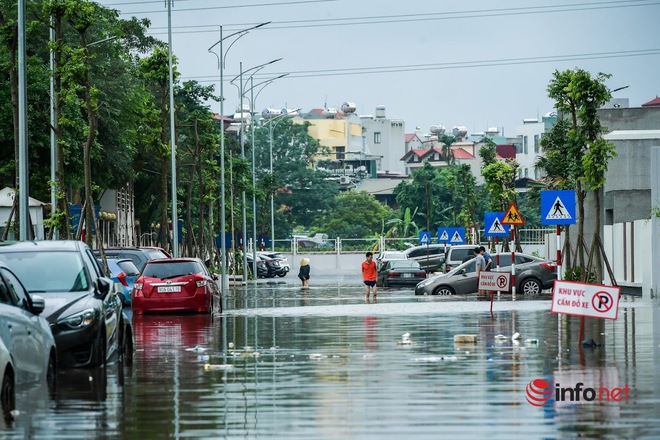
[(425, 282), (79, 320)]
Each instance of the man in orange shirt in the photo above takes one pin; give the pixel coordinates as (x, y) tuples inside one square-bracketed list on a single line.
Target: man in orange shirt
[(369, 275)]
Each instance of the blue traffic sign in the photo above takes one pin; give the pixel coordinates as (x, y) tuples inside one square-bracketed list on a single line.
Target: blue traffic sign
[(493, 226), (456, 235), (558, 207), (424, 237), (443, 235)]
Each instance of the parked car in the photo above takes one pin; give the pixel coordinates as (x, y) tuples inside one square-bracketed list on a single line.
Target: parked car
[(386, 256), (26, 335), (457, 255), (430, 257), (81, 305), (400, 273), (262, 269), (124, 274), (138, 255), (175, 285), (532, 276), (273, 268), (280, 258)]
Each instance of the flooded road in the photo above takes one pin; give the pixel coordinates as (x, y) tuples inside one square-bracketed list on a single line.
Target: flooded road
[(292, 364)]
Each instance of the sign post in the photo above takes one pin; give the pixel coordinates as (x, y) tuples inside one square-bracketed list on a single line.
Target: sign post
[(513, 218), (558, 208), (493, 227)]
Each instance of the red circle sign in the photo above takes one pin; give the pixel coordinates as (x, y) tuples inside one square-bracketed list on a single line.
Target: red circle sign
[(602, 302), (501, 281)]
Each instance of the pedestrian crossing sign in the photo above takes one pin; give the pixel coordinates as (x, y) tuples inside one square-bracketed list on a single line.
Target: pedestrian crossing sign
[(558, 207), (493, 225), (456, 235), (443, 235), (513, 217), (424, 237)]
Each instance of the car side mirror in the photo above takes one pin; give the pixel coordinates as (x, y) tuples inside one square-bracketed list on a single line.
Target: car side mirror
[(103, 286), (38, 304), (462, 272)]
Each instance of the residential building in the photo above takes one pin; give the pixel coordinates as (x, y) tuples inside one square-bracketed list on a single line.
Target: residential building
[(528, 147)]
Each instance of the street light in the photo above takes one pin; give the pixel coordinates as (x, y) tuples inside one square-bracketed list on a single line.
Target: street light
[(272, 195), (241, 93), (175, 219), (253, 98), (221, 67)]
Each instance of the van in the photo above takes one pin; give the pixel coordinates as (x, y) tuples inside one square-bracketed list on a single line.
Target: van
[(458, 254), (430, 257)]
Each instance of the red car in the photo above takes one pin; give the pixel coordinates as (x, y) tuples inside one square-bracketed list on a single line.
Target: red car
[(175, 285)]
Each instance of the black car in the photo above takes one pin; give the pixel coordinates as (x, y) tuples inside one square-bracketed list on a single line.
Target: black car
[(81, 305), (400, 273), (139, 255), (262, 270), (273, 267)]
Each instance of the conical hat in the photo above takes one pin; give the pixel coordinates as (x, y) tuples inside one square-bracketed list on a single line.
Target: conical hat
[(304, 262)]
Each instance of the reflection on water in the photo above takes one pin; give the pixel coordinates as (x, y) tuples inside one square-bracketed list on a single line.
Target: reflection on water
[(282, 363)]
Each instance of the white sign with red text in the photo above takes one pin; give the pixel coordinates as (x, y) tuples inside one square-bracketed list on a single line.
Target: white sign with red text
[(582, 299), (497, 281)]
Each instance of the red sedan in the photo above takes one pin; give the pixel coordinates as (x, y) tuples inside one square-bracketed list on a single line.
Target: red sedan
[(175, 285)]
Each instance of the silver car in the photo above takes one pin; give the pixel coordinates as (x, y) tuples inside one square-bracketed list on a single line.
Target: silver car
[(533, 275), (25, 333)]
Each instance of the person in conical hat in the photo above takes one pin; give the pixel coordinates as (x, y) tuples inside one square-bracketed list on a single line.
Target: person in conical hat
[(303, 274)]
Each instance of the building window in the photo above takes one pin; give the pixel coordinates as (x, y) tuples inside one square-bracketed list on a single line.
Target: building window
[(525, 142), (536, 173), (526, 172), (340, 153), (519, 173), (536, 143), (377, 137)]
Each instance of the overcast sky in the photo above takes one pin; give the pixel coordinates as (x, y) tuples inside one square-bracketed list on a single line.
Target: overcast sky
[(475, 63)]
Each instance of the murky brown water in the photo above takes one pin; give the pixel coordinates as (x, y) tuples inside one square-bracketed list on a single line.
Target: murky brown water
[(323, 364)]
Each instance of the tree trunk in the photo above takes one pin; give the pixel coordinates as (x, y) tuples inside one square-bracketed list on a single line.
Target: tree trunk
[(598, 263), (60, 187), (163, 168), (580, 238)]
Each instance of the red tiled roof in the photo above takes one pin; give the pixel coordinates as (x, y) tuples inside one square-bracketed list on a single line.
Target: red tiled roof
[(506, 151), (419, 151), (652, 103), (460, 153), (410, 137)]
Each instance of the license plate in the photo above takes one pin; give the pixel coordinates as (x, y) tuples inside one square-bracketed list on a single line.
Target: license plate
[(169, 289), (407, 275)]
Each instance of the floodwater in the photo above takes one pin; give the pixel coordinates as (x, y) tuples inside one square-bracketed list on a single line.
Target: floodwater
[(286, 363)]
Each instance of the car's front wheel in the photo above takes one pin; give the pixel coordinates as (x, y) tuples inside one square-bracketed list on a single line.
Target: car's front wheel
[(127, 345), (444, 290), (98, 350), (530, 286), (7, 393)]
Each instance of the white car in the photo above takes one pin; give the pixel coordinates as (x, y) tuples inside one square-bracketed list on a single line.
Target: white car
[(25, 334), (386, 256), (284, 263)]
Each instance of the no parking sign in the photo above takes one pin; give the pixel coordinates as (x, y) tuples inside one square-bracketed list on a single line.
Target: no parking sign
[(582, 299)]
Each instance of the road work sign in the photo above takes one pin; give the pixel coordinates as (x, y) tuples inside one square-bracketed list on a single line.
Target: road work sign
[(497, 281), (582, 299)]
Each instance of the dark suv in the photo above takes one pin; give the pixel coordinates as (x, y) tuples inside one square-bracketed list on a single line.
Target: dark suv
[(81, 305), (430, 257), (138, 255)]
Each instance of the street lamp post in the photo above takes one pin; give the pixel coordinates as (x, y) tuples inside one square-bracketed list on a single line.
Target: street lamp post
[(272, 195), (175, 220), (221, 67), (241, 93)]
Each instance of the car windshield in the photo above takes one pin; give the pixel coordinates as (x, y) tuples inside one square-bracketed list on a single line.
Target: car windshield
[(126, 266), (173, 269), (154, 254), (393, 256), (56, 271)]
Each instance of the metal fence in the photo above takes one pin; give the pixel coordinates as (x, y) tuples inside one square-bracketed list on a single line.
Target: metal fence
[(530, 236)]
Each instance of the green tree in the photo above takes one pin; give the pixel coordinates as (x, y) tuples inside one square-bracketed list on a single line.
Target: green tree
[(356, 214), (577, 97)]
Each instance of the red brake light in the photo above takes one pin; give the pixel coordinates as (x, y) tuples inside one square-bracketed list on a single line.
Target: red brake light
[(122, 278), (550, 265), (392, 274)]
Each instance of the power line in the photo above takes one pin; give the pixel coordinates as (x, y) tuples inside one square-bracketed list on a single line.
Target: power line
[(253, 5), (401, 18), (451, 65)]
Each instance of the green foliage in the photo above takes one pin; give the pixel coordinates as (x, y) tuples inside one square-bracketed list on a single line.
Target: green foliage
[(500, 177), (576, 274)]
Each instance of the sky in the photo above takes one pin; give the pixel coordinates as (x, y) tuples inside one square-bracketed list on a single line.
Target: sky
[(471, 63)]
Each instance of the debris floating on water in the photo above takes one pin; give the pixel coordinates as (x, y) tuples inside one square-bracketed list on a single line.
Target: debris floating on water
[(470, 339), (405, 339), (197, 349), (208, 367)]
